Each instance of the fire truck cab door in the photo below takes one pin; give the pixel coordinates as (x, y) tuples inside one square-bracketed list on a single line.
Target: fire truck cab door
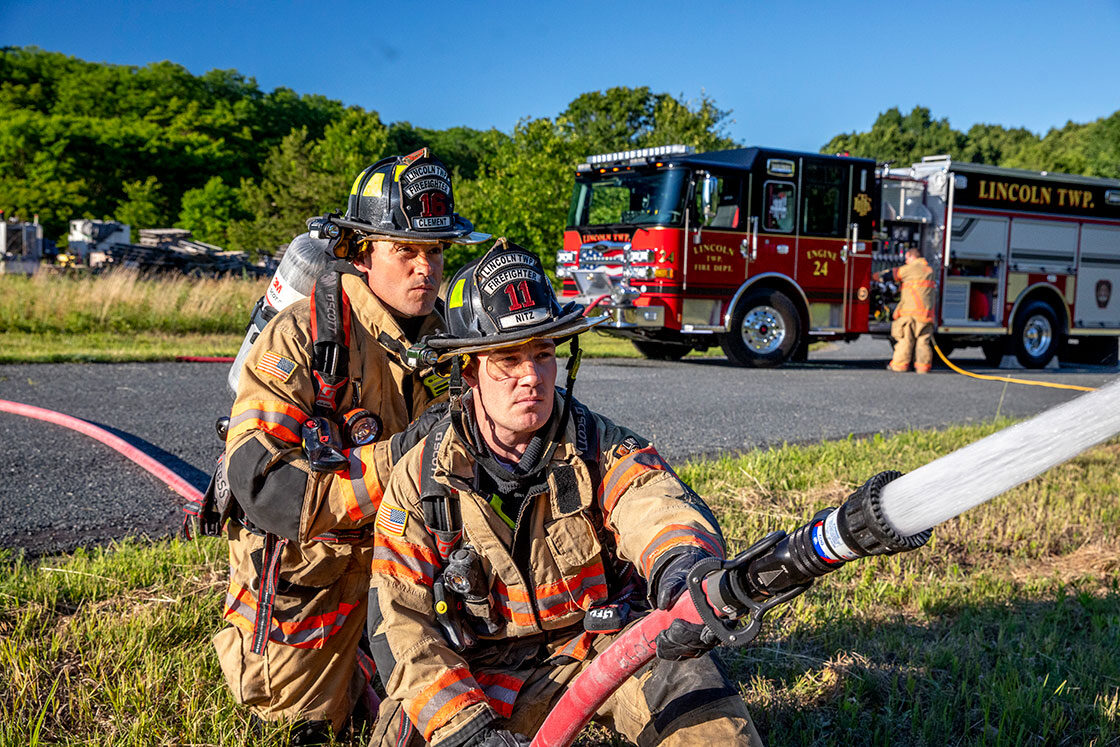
[(716, 245)]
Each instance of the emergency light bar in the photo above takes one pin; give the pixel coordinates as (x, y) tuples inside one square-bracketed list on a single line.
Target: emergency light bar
[(660, 150)]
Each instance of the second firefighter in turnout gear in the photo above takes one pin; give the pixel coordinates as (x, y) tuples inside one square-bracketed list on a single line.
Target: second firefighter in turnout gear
[(912, 328), (523, 534), (323, 398)]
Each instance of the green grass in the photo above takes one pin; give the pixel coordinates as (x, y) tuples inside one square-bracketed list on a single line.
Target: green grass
[(122, 316), (1003, 630), (110, 347)]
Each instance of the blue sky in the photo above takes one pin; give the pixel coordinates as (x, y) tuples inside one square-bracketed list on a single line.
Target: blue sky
[(793, 73)]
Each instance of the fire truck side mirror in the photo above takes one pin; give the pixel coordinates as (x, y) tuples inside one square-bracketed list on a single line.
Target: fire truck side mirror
[(709, 187)]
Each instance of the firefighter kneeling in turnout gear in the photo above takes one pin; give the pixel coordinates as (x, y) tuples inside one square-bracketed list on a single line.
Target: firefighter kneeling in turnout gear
[(912, 328), (321, 411), (525, 531)]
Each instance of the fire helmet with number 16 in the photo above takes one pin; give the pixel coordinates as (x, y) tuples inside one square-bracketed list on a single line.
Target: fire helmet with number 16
[(408, 198)]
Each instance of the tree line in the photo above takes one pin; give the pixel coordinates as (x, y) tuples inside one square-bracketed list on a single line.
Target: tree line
[(157, 146)]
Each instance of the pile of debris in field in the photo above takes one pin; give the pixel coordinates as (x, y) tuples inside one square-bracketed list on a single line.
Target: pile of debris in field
[(173, 250)]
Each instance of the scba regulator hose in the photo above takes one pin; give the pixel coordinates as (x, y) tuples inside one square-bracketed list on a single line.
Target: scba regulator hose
[(170, 478)]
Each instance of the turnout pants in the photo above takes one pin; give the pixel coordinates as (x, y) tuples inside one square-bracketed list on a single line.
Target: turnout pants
[(294, 684), (317, 671), (913, 341), (666, 702)]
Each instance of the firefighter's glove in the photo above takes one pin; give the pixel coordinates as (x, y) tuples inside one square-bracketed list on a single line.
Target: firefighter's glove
[(401, 443), (685, 640), (498, 738), (670, 575)]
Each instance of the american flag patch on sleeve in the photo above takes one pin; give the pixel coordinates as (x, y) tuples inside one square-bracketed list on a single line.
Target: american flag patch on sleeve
[(391, 520), (276, 365)]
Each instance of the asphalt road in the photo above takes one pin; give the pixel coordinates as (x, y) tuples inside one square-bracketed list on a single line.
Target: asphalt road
[(59, 489)]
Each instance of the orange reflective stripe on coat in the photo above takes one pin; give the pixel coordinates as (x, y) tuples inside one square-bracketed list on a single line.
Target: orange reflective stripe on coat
[(311, 632), (677, 535), (361, 488), (514, 605), (501, 690), (623, 474), (452, 692), (277, 419), (577, 648), (404, 560), (570, 594)]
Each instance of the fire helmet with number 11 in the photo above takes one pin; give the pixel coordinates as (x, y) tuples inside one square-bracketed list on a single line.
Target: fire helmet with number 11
[(504, 299)]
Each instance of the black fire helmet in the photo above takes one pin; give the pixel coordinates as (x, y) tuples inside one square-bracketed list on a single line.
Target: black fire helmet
[(504, 299), (409, 198)]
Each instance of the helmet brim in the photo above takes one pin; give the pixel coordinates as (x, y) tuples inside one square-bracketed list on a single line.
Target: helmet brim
[(566, 326)]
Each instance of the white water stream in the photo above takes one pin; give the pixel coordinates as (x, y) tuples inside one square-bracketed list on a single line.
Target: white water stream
[(979, 472)]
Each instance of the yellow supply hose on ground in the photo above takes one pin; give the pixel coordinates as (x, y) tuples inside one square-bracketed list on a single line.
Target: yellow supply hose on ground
[(1009, 379)]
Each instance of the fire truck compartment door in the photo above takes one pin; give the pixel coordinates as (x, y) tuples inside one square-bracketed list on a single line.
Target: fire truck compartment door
[(1098, 280)]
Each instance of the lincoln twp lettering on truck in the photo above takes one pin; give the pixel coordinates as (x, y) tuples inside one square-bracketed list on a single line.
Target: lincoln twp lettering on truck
[(761, 251)]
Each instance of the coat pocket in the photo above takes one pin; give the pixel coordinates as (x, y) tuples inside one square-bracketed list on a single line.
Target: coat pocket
[(578, 556)]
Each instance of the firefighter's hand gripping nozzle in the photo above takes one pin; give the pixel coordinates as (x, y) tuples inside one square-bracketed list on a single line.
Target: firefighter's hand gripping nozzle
[(780, 566)]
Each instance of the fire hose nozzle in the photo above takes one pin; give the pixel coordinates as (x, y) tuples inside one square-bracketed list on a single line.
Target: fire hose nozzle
[(829, 540), (780, 566)]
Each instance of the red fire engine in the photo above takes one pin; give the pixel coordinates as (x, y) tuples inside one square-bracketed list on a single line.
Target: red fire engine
[(762, 251)]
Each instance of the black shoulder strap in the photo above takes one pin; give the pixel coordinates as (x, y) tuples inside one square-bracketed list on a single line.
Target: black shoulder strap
[(429, 488), (330, 338), (587, 440), (438, 502)]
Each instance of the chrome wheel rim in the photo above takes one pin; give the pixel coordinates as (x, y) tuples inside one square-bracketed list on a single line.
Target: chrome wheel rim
[(763, 330), (1037, 334)]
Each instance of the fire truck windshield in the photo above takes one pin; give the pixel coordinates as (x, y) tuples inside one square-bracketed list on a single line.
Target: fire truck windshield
[(646, 198)]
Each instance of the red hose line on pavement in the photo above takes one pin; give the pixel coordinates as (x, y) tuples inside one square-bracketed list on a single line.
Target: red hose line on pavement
[(170, 478), (203, 359)]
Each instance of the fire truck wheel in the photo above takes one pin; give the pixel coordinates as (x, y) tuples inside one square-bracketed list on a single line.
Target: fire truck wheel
[(1037, 335), (764, 331), (661, 351)]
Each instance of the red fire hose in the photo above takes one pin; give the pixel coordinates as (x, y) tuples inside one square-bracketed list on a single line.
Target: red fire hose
[(170, 478), (606, 673)]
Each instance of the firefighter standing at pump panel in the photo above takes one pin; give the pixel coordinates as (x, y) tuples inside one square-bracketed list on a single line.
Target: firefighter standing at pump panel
[(912, 328), (301, 540), (523, 534)]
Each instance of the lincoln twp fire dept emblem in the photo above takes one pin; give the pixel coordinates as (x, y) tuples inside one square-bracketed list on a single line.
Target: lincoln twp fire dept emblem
[(1104, 292), (862, 204)]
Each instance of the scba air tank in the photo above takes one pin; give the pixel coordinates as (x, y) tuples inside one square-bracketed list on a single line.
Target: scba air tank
[(304, 261)]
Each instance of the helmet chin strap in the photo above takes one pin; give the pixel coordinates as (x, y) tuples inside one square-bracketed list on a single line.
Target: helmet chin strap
[(541, 447)]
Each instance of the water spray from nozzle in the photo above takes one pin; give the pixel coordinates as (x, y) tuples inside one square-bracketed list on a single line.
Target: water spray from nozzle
[(790, 563)]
